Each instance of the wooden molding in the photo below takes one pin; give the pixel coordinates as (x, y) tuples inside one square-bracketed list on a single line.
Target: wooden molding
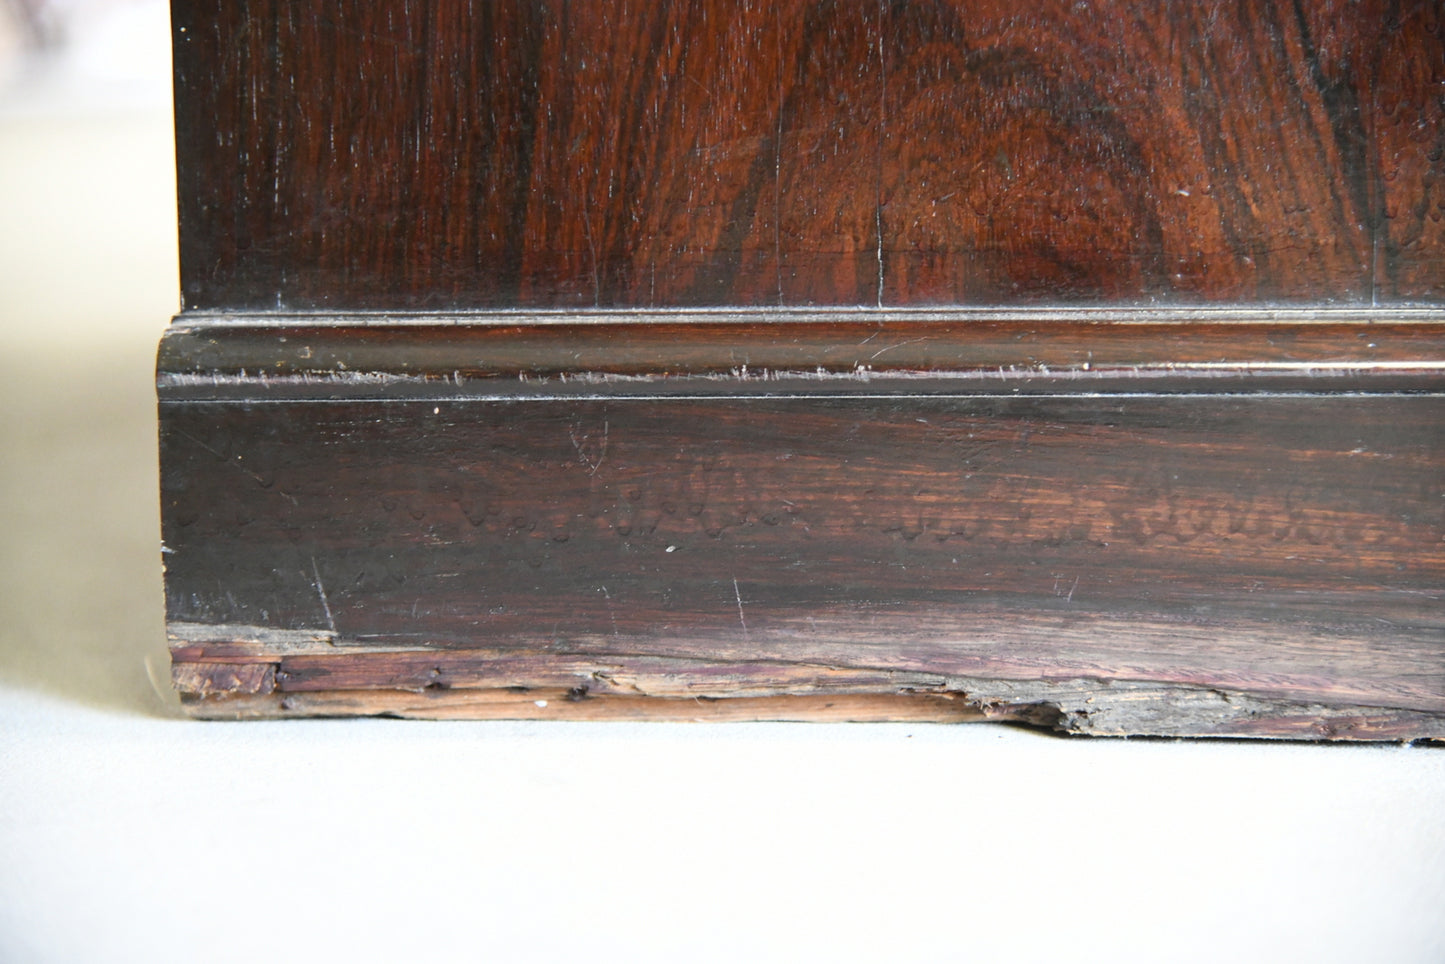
[(1212, 527)]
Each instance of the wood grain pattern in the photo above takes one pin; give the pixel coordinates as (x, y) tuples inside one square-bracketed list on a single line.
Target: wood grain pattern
[(1100, 561), (447, 154), (1062, 363)]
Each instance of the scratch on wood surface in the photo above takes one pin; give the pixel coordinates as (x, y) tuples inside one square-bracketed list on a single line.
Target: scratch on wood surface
[(592, 464), (901, 344), (611, 614), (738, 595), (236, 462), (321, 591)]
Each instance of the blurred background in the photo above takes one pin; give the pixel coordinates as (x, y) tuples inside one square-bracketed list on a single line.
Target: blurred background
[(127, 834), (88, 280)]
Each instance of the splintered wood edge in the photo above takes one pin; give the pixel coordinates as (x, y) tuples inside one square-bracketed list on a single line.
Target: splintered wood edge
[(552, 704), (220, 689)]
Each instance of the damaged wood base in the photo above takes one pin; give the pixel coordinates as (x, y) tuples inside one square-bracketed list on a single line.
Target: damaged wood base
[(214, 689), (1112, 523), (270, 675)]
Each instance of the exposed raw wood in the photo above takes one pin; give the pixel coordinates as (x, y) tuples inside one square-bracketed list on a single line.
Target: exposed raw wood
[(606, 690)]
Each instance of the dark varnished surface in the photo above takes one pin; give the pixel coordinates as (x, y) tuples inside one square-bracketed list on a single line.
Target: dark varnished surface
[(1285, 548), (408, 467), (447, 154), (1169, 499)]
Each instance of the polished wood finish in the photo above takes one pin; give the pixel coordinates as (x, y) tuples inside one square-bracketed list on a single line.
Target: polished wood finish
[(447, 154), (787, 353), (986, 531), (1080, 365)]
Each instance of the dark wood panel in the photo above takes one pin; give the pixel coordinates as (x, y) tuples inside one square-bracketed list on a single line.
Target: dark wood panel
[(1119, 411), (434, 154), (1171, 493), (987, 552)]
